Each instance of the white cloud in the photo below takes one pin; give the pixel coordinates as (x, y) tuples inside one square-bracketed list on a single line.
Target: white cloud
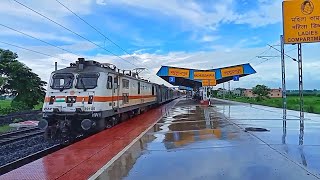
[(208, 38), (193, 14), (50, 8), (190, 15), (269, 12), (41, 35), (101, 2), (268, 73)]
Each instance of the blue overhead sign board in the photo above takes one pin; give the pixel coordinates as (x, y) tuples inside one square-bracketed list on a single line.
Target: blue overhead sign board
[(236, 78), (172, 79)]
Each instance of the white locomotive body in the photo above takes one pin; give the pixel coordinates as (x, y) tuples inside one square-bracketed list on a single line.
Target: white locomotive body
[(89, 96)]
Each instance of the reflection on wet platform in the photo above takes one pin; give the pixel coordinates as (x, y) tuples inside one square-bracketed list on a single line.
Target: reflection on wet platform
[(195, 142), (122, 166)]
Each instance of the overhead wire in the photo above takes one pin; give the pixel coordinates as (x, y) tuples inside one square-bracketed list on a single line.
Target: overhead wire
[(34, 51), (98, 31), (73, 32), (38, 39), (280, 52), (263, 52)]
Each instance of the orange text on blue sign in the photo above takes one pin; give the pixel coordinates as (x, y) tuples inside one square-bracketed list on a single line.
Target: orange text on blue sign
[(204, 75), (232, 71), (176, 72)]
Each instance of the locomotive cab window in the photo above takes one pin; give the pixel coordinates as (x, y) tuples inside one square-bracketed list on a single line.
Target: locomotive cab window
[(152, 90), (109, 82), (115, 80), (125, 83), (87, 81), (138, 87), (62, 81)]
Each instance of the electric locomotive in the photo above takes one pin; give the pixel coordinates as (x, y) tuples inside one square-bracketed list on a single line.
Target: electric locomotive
[(89, 96)]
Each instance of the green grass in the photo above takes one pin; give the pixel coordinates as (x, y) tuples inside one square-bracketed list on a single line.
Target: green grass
[(5, 103), (4, 128), (39, 106), (311, 103)]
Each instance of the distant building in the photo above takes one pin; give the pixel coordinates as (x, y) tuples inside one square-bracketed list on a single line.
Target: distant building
[(248, 93), (236, 92), (221, 92), (273, 93)]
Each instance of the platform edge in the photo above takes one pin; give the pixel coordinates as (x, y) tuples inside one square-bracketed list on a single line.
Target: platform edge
[(106, 166)]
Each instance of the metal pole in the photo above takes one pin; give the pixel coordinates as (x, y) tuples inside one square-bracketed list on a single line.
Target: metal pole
[(300, 86), (284, 90), (55, 66), (229, 88), (223, 90)]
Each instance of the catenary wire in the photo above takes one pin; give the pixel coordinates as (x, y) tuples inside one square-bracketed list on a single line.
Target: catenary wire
[(73, 32), (98, 31), (31, 50), (38, 39)]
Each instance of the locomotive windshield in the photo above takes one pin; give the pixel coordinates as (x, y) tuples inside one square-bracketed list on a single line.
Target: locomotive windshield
[(87, 81), (62, 81)]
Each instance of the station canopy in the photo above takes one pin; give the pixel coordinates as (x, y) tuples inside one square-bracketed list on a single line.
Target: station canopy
[(195, 78)]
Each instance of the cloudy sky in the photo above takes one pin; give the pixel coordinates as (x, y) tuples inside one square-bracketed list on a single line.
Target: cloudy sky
[(190, 33)]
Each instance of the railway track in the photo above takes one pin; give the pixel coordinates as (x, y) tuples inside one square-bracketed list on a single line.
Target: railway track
[(25, 160), (18, 135)]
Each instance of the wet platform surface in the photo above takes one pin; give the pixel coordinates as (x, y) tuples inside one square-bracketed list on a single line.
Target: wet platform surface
[(195, 142), (81, 160)]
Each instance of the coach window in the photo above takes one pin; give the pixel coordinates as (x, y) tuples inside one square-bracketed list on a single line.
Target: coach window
[(138, 87), (152, 90), (109, 83), (125, 83)]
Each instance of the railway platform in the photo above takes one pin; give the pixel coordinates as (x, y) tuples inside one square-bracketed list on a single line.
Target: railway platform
[(184, 140)]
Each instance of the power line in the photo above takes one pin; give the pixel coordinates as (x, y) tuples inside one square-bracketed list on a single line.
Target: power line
[(31, 50), (92, 27), (264, 61), (38, 39), (294, 59), (86, 22), (294, 48), (72, 32), (259, 54)]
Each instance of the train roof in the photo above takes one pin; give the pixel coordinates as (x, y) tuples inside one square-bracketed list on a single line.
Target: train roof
[(89, 66)]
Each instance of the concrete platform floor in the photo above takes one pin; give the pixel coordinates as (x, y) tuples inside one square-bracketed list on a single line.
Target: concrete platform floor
[(195, 142)]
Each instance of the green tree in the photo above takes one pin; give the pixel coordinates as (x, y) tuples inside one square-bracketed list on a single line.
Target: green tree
[(214, 93), (20, 81), (261, 91)]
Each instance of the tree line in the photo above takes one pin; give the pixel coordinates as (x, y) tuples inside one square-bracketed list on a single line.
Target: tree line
[(18, 80)]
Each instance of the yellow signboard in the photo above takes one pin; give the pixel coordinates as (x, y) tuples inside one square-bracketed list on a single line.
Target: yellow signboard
[(301, 21), (176, 72), (232, 71), (209, 82), (204, 75)]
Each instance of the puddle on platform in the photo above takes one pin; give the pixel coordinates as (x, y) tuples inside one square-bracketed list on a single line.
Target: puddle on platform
[(194, 137), (121, 167), (188, 124)]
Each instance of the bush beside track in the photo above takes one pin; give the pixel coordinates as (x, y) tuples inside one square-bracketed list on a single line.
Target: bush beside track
[(311, 103)]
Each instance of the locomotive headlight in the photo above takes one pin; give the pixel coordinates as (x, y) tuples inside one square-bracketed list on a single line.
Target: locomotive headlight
[(90, 100), (52, 99), (71, 99)]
